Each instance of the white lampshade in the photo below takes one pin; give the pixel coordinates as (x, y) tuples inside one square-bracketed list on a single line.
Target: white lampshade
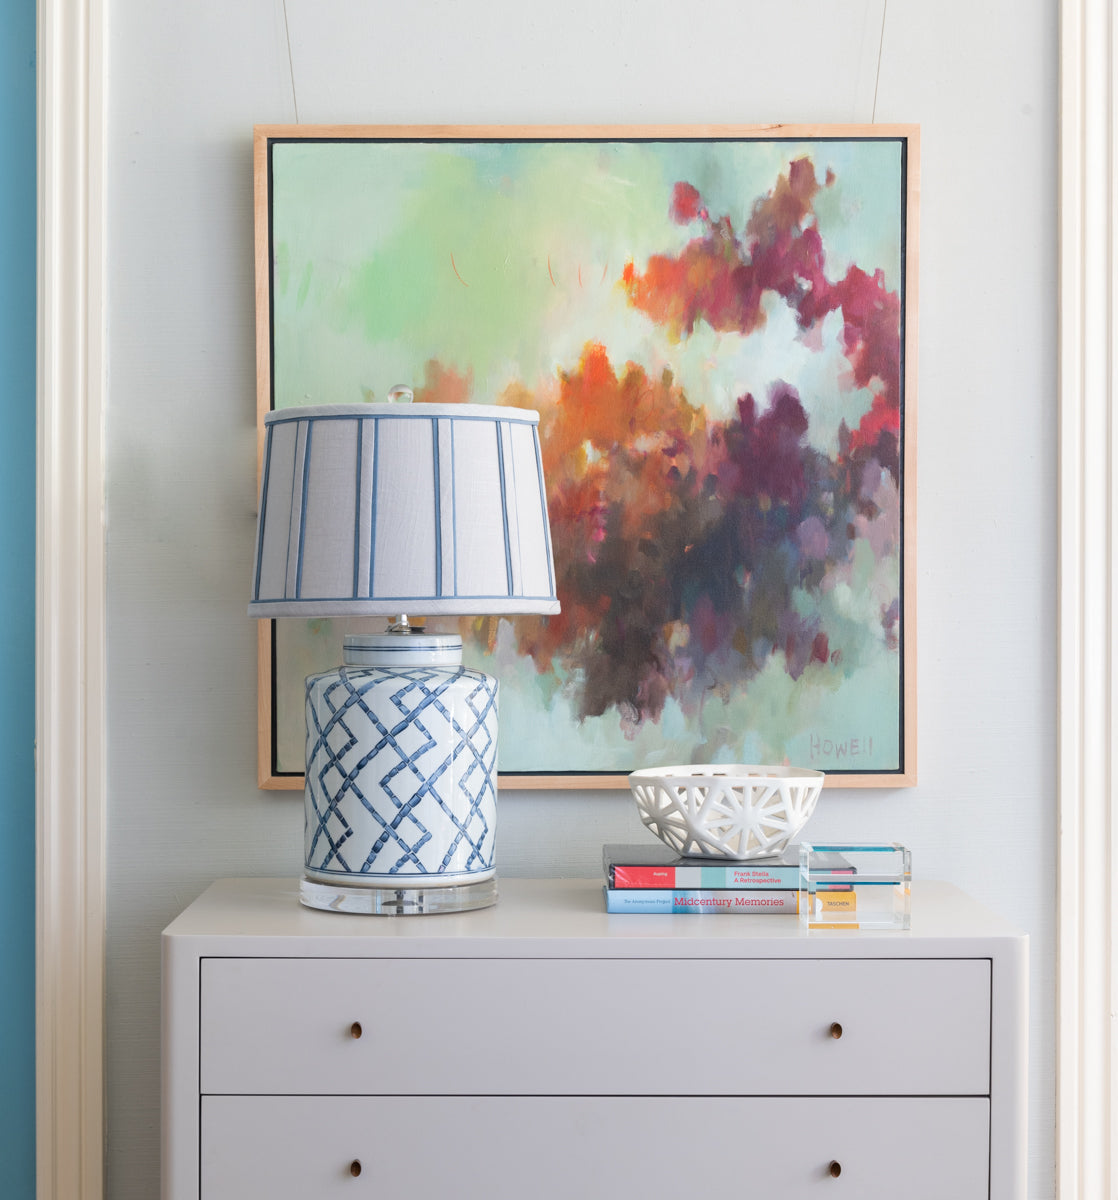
[(370, 509)]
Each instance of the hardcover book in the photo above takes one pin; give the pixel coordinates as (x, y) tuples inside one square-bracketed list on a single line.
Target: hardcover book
[(657, 866), (718, 900)]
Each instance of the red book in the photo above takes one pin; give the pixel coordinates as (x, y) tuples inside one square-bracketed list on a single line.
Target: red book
[(656, 866)]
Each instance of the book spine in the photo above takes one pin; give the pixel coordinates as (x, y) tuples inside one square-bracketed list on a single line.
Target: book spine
[(675, 900)]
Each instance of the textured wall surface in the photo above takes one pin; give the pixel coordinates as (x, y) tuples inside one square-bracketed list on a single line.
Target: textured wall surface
[(187, 84)]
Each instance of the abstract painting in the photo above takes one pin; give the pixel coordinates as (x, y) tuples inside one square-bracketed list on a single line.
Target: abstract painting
[(717, 327)]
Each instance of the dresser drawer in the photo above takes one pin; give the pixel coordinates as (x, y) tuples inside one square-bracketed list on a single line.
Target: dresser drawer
[(595, 1027), (507, 1148)]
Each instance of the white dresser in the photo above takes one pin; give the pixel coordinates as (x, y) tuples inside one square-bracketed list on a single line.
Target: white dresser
[(543, 1049)]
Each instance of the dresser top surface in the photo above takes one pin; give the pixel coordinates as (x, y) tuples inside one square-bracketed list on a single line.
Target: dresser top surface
[(561, 917)]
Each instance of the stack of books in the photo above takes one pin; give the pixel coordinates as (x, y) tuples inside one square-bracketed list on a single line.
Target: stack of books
[(650, 878)]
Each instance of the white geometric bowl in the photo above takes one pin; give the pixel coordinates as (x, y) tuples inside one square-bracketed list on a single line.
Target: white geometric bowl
[(719, 811)]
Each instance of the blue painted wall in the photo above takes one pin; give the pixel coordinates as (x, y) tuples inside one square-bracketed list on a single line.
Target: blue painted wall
[(17, 598)]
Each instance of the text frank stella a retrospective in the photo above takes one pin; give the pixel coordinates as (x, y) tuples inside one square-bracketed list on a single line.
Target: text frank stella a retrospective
[(717, 329)]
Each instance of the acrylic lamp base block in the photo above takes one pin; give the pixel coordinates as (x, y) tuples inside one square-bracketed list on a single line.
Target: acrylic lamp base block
[(397, 901)]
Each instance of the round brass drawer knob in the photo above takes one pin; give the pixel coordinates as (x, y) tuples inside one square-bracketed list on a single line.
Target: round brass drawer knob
[(355, 1029), (835, 1169), (836, 1030), (355, 1168)]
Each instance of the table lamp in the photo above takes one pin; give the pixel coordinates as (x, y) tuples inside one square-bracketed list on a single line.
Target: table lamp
[(390, 510)]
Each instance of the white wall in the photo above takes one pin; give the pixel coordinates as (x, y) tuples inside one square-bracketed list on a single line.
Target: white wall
[(187, 83)]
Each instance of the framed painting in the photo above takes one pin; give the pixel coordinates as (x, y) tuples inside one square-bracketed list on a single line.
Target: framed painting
[(717, 326)]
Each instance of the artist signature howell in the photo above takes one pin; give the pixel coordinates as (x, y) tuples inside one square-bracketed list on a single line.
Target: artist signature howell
[(830, 749)]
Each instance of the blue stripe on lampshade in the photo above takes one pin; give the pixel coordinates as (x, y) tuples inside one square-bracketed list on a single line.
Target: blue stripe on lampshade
[(267, 466), (546, 525), (303, 506), (295, 519), (357, 510), (449, 532), (438, 508), (504, 506), (371, 515), (309, 563)]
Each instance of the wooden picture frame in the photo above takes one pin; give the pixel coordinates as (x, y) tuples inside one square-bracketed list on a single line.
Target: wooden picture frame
[(730, 312)]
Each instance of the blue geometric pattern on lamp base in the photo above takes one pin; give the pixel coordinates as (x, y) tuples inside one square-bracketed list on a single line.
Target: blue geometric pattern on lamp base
[(401, 776)]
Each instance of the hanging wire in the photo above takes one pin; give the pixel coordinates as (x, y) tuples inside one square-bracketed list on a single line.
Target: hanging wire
[(291, 63), (880, 49)]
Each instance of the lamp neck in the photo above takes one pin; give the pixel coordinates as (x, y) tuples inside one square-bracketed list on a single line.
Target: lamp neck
[(403, 625)]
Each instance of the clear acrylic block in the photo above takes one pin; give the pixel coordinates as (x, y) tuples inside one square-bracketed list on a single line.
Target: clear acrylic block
[(868, 885)]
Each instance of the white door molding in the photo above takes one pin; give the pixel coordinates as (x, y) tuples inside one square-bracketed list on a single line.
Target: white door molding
[(70, 604), (1086, 992)]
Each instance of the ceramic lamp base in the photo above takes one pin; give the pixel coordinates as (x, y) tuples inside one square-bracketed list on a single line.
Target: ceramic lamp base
[(401, 782)]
